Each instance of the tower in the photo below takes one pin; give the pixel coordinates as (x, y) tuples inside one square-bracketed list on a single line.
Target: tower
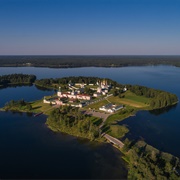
[(59, 92)]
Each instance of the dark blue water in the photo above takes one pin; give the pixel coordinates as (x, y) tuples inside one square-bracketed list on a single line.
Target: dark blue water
[(28, 93), (160, 129), (30, 150)]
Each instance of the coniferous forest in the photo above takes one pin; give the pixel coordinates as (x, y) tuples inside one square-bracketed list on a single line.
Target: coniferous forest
[(16, 79), (70, 120), (87, 61), (159, 99)]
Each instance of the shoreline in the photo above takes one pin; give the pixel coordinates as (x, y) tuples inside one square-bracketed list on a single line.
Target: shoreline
[(125, 156), (93, 66), (73, 61)]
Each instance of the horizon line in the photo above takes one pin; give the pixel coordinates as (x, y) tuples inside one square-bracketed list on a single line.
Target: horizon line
[(90, 55)]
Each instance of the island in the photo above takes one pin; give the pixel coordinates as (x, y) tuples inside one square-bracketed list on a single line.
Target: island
[(90, 107)]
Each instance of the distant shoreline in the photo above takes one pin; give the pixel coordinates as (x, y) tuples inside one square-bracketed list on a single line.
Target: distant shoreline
[(88, 61)]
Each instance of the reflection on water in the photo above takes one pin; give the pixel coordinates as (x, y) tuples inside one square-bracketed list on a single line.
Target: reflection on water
[(162, 110), (30, 150), (28, 93), (43, 88), (157, 128), (13, 85)]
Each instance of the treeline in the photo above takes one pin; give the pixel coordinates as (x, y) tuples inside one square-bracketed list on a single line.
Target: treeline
[(16, 79), (159, 99), (19, 105), (146, 162), (70, 120), (88, 61), (73, 80)]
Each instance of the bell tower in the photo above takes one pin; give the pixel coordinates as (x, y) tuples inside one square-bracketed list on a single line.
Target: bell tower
[(59, 92)]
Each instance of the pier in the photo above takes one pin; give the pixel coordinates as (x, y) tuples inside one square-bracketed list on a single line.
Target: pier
[(38, 114)]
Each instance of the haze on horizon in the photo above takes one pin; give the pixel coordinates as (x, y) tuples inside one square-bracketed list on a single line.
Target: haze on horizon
[(89, 27)]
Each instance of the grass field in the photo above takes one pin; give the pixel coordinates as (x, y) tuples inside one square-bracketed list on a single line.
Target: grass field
[(39, 106), (118, 131), (131, 99), (121, 115), (134, 97)]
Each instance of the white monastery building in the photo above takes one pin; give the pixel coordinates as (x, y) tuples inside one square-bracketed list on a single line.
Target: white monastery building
[(73, 95)]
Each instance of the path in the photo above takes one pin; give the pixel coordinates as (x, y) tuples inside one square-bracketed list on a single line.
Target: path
[(104, 116), (113, 140)]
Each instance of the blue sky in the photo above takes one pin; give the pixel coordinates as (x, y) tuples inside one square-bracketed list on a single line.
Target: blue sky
[(89, 27)]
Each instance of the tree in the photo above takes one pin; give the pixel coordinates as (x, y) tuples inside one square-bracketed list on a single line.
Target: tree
[(115, 92), (126, 146), (29, 107), (153, 156)]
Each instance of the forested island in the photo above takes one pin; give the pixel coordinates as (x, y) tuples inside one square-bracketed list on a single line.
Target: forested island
[(16, 80), (87, 61), (89, 107)]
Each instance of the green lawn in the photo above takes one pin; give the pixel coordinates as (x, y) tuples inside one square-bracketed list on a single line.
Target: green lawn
[(131, 96), (39, 106), (131, 100), (118, 131), (121, 115)]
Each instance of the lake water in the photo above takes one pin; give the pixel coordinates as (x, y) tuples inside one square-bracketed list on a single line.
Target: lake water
[(30, 150)]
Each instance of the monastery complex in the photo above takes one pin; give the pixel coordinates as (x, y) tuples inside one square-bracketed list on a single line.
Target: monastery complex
[(76, 96)]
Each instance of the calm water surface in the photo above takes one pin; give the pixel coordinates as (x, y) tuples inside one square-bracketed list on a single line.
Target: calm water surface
[(30, 150), (23, 135), (28, 93)]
